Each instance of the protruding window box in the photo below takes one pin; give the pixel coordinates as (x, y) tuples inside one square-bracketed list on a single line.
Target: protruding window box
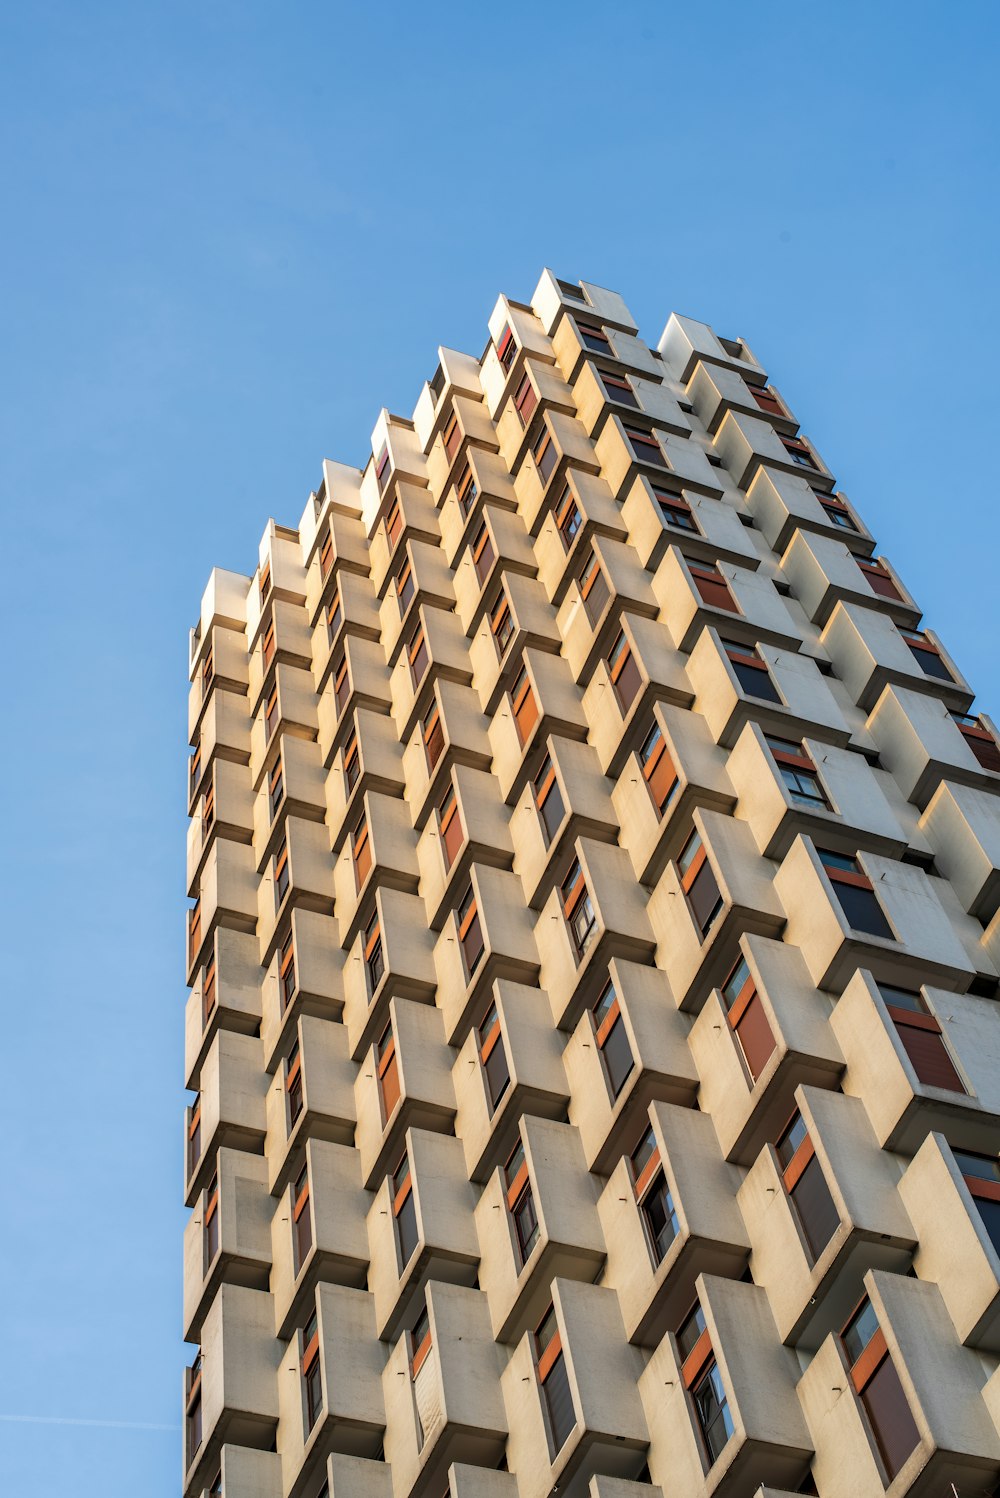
[(566, 799), (304, 976), (509, 1065), (622, 694), (921, 743), (222, 668), (497, 544), (482, 480), (404, 1082), (820, 1210), (467, 961), (869, 653), (703, 944), (428, 1235), (226, 897), (421, 576), (298, 875), (284, 637), (715, 389), (442, 1394), (312, 1097), (467, 425), (235, 1384), (660, 514), (472, 825), (340, 551), (223, 734), (932, 1064), (823, 572), (746, 443), (759, 1438), (583, 509), (611, 584), (909, 1414), (393, 956), (543, 700), (627, 1051), (380, 852), (226, 995), (227, 1237), (668, 1217), (369, 758), (289, 710), (452, 731), (413, 517), (228, 1111), (539, 387), (598, 393), (537, 1220), (295, 786), (595, 914), (576, 1414), (557, 443), (783, 503), (740, 603), (349, 1410), (673, 769), (903, 933), (573, 344), (337, 1251), (685, 342), (516, 618), (789, 696), (763, 1032), (436, 649), (963, 825)]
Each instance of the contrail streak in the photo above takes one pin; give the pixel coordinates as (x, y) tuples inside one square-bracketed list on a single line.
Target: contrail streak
[(69, 1420)]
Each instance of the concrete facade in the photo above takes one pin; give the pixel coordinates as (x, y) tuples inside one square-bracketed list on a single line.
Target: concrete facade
[(593, 1041)]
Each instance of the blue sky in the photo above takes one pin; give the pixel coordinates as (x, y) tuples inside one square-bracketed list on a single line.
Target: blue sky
[(232, 233)]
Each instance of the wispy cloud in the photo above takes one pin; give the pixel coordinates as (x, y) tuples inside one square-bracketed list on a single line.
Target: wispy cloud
[(99, 1424)]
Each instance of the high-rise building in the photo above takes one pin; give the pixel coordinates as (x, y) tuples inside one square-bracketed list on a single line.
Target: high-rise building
[(593, 1029)]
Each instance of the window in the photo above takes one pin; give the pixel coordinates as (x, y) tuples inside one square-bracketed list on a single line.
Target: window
[(837, 512), (675, 511), (493, 1057), (703, 1381), (501, 624), (748, 1019), (525, 399), (194, 928), (271, 713), (506, 349), (855, 893), (578, 909), (624, 672), (571, 293), (750, 671), (981, 1174), (879, 579), (352, 763), (393, 525), (383, 468), (767, 400), (877, 1386), (658, 770), (432, 733), (520, 1203), (467, 490), (361, 851), (194, 1136), (483, 555), (286, 971), (798, 451), (595, 338), (568, 518), (927, 655), (979, 739), (404, 1210), (312, 1376), (326, 556), (195, 766), (612, 1040), (208, 992), (294, 1100), (265, 581), (553, 1380), (548, 799), (302, 1235), (643, 1160), (388, 1071), (544, 452), (523, 706), (374, 960), (341, 685), (282, 873), (594, 588), (451, 833), (192, 1410), (470, 932), (659, 1215), (208, 810), (699, 883), (713, 588), (806, 1188), (267, 644), (275, 787), (418, 657), (210, 1220), (618, 389), (798, 772), (452, 437), (405, 587), (645, 447), (420, 1341), (922, 1038)]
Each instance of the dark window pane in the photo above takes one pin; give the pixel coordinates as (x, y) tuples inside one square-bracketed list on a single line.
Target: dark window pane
[(559, 1403), (755, 681), (661, 1217), (893, 1425), (815, 1207), (989, 1211), (497, 1073), (755, 1037), (712, 1407), (862, 910), (704, 898), (617, 1055), (406, 1227)]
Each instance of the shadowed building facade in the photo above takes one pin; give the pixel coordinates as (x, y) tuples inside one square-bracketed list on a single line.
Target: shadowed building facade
[(593, 1039)]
